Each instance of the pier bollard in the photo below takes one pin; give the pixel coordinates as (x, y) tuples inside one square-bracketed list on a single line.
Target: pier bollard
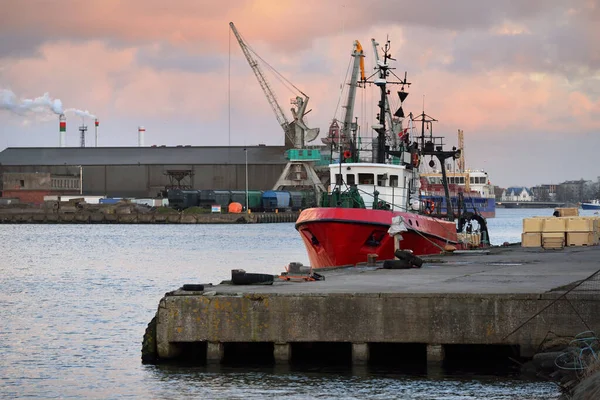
[(360, 353), (282, 353), (371, 259), (214, 352)]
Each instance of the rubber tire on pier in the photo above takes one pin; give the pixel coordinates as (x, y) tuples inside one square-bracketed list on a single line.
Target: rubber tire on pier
[(193, 287), (396, 264), (241, 277), (409, 257)]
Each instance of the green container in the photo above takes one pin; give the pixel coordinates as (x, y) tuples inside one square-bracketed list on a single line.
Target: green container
[(303, 155)]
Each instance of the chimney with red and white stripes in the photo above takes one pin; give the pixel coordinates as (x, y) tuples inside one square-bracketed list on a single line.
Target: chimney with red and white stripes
[(62, 130), (141, 133), (96, 123)]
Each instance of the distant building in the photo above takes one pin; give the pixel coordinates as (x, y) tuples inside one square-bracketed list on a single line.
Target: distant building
[(545, 192), (571, 191), (147, 171), (31, 187), (498, 191), (517, 193)]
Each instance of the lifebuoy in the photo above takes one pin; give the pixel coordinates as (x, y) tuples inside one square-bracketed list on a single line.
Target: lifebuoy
[(415, 160)]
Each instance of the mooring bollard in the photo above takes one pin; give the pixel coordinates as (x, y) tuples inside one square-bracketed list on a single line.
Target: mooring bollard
[(371, 259)]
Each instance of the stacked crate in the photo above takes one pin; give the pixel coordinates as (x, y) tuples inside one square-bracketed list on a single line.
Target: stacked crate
[(581, 231), (557, 232), (553, 232), (532, 232), (567, 211)]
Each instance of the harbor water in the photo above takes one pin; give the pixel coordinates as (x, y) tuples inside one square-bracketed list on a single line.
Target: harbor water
[(75, 301)]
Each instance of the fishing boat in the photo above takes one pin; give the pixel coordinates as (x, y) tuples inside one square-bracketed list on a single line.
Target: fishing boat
[(592, 205), (368, 190), (475, 186)]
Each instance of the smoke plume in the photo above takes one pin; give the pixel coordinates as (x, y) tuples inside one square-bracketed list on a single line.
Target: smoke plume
[(80, 113), (40, 105)]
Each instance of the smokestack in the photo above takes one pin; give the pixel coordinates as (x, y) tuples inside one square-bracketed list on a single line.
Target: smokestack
[(82, 130), (96, 123), (141, 132), (62, 130)]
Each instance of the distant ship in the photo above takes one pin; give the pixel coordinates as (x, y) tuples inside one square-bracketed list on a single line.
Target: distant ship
[(470, 191), (592, 205)]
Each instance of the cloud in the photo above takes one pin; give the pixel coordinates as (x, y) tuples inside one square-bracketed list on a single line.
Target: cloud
[(280, 23), (165, 57), (498, 71)]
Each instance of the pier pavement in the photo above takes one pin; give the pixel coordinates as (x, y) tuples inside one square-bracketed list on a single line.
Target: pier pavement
[(510, 296)]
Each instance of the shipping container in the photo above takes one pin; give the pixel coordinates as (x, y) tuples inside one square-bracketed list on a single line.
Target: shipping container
[(222, 198), (239, 196), (182, 199), (296, 200), (309, 199), (276, 200), (109, 200), (255, 200)]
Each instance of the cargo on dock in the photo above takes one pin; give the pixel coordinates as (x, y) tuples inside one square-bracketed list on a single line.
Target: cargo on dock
[(66, 213), (452, 304)]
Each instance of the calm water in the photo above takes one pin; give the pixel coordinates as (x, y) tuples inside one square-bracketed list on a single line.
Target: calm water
[(75, 301)]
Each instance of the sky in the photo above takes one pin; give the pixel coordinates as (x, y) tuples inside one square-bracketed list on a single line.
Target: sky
[(520, 78)]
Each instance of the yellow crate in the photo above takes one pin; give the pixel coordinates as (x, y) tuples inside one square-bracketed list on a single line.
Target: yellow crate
[(473, 239), (553, 243), (580, 239), (532, 224), (554, 224), (567, 211), (595, 221), (579, 225), (553, 235), (531, 239)]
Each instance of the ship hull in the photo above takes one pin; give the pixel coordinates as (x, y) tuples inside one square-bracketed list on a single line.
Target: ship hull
[(481, 205), (346, 236), (590, 206)]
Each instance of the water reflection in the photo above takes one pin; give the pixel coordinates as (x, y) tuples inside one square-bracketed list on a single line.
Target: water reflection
[(285, 382), (75, 301)]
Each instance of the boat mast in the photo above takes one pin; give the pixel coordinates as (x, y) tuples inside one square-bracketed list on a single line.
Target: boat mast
[(430, 148), (383, 71)]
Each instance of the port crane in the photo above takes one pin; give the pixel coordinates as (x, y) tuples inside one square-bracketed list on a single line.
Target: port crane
[(461, 146), (299, 172), (349, 128)]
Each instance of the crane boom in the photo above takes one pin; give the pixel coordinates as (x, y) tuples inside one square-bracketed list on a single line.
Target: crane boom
[(461, 146), (349, 114), (264, 84)]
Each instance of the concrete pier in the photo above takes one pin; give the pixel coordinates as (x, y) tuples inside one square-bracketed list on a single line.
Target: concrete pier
[(363, 313)]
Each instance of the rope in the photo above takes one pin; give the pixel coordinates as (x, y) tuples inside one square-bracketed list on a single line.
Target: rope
[(280, 77), (577, 361), (551, 304), (430, 241)]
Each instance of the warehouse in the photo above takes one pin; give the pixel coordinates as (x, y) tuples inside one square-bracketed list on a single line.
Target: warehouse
[(148, 171)]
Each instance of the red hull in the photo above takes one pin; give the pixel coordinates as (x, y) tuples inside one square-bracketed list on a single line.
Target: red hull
[(345, 236)]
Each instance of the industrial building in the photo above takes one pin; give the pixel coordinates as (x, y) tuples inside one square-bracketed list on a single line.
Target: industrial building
[(148, 171)]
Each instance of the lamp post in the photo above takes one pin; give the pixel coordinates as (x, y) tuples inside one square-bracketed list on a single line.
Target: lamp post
[(80, 179), (246, 151)]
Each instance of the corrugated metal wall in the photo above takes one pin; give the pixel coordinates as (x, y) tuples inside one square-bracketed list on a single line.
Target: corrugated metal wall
[(148, 180)]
